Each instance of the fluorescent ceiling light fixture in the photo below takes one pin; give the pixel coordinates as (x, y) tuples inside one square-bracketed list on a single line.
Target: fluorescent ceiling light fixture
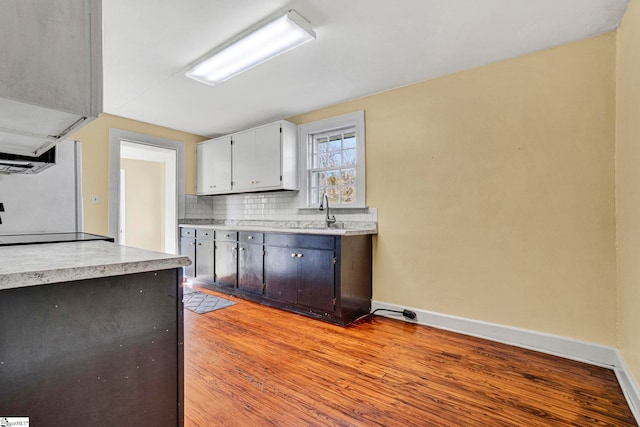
[(252, 48)]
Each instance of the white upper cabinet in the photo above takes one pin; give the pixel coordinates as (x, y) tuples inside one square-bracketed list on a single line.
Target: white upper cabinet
[(257, 160), (214, 166), (260, 159), (50, 71)]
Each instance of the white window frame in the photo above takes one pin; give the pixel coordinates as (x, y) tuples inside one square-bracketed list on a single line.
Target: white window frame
[(308, 130)]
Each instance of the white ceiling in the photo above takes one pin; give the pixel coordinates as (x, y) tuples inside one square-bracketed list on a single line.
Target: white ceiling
[(362, 47)]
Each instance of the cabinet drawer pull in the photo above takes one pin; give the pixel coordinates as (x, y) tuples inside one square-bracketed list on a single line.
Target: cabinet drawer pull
[(300, 255), (293, 255), (250, 237), (242, 249)]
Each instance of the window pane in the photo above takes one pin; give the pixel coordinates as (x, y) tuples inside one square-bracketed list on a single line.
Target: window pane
[(349, 140), (335, 143), (321, 145), (349, 157), (315, 199), (322, 161), (318, 179), (334, 195), (348, 176), (333, 178), (333, 159), (348, 195)]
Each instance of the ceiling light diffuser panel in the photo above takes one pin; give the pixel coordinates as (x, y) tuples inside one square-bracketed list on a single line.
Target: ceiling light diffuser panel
[(253, 48)]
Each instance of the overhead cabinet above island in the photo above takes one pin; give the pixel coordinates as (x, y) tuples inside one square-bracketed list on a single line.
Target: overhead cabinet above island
[(50, 72), (264, 158)]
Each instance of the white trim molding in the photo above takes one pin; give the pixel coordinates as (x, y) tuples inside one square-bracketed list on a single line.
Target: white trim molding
[(568, 348), (629, 386)]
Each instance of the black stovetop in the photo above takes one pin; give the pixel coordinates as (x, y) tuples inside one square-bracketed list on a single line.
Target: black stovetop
[(32, 239)]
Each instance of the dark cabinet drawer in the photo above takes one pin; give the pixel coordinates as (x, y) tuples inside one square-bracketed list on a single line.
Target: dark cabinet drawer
[(204, 234), (251, 237), (187, 232), (300, 241), (226, 236)]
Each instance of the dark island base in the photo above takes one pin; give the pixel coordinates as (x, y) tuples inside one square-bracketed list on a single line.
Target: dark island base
[(99, 352)]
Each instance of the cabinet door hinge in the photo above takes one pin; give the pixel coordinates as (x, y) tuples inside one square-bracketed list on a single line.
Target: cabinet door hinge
[(233, 183), (335, 260), (280, 178), (264, 253), (231, 141), (280, 129)]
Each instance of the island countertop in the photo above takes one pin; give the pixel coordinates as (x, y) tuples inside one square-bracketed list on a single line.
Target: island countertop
[(41, 264)]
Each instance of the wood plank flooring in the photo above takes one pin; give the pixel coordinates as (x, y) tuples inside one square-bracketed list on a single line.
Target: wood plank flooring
[(250, 365)]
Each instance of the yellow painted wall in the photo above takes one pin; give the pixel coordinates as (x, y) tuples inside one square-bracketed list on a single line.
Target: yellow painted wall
[(95, 163), (628, 188), (144, 203), (495, 191)]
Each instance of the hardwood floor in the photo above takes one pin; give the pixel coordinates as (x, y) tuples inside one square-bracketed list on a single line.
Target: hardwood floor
[(250, 365)]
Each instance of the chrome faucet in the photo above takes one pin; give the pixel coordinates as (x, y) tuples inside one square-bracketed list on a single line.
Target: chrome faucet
[(325, 199)]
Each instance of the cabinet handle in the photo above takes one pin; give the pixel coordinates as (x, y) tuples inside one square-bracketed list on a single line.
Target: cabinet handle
[(242, 249), (300, 255), (250, 237), (293, 255)]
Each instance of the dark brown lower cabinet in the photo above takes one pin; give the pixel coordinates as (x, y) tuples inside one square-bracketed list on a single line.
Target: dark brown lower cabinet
[(326, 277), (322, 276), (301, 276), (250, 262), (226, 259), (204, 258)]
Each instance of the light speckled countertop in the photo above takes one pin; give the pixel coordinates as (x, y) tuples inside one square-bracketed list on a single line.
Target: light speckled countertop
[(41, 264), (297, 227)]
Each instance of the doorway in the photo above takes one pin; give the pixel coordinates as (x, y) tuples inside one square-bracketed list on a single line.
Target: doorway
[(147, 196), (146, 190)]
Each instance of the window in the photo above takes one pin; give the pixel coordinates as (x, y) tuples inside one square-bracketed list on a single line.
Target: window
[(335, 160)]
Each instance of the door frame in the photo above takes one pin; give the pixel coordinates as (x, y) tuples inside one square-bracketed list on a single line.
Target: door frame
[(115, 137)]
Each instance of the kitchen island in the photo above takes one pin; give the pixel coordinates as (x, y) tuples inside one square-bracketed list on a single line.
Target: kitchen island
[(91, 334)]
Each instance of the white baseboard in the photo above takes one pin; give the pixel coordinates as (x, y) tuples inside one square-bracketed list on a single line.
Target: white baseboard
[(629, 386), (581, 351)]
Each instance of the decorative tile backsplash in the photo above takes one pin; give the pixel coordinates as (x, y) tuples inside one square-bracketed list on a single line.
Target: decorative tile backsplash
[(277, 206)]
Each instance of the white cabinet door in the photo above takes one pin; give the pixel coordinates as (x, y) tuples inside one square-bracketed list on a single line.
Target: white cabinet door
[(214, 166), (268, 154), (256, 158), (243, 160)]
